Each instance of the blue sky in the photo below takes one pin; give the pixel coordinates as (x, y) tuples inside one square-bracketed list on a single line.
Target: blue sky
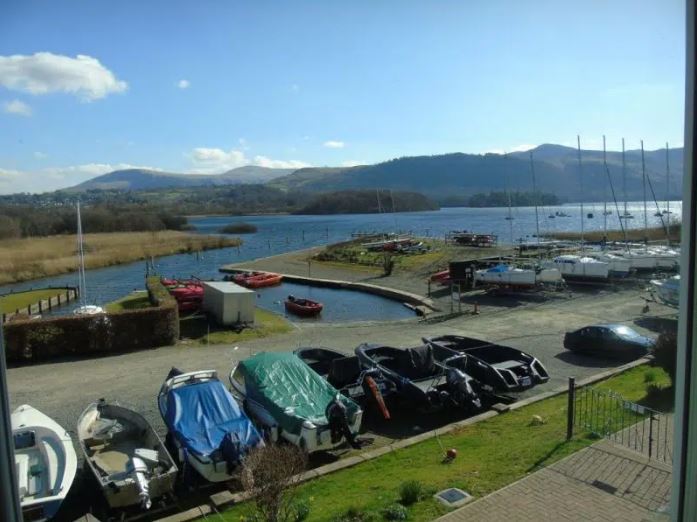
[(204, 86)]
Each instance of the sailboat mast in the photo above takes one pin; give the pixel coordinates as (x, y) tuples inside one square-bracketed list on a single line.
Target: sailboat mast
[(81, 283), (624, 179), (534, 197), (643, 179), (604, 191), (668, 192), (580, 180)]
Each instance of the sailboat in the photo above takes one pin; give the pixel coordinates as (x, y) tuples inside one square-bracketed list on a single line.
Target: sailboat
[(84, 308), (626, 214)]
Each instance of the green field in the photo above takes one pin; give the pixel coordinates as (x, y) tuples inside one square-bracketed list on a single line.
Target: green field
[(133, 301), (195, 330), (11, 302), (491, 454)]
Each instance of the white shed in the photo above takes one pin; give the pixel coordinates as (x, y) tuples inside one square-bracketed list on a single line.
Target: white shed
[(228, 302)]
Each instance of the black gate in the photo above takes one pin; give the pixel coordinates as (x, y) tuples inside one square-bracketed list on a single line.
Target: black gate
[(607, 414)]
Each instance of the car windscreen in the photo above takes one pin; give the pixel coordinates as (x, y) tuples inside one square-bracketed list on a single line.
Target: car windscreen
[(626, 332)]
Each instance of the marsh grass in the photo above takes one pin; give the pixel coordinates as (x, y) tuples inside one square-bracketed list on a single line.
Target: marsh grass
[(32, 258)]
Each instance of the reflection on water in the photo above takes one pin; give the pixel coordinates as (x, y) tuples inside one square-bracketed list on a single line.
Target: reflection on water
[(282, 233)]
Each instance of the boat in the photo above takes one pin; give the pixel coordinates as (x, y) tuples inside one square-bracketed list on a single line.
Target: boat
[(618, 265), (442, 277), (242, 277), (650, 258), (303, 307), (666, 291), (425, 377), (510, 276), (125, 455), (84, 308), (261, 280), (626, 216), (345, 373), (289, 401), (209, 430), (578, 267), (499, 368), (45, 462)]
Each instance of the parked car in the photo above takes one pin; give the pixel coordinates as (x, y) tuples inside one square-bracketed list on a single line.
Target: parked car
[(609, 340)]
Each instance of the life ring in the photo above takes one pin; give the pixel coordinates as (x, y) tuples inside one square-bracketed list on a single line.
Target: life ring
[(375, 391)]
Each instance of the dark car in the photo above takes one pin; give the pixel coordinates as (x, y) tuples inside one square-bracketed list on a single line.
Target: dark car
[(609, 340)]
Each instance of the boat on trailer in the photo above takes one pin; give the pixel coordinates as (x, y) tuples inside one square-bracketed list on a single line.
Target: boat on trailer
[(498, 368), (45, 463), (125, 455), (288, 400), (666, 291), (345, 373), (573, 267), (425, 377), (503, 275), (207, 427)]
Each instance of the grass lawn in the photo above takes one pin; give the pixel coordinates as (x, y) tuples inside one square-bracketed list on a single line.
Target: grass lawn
[(11, 302), (267, 323), (133, 301), (491, 454)]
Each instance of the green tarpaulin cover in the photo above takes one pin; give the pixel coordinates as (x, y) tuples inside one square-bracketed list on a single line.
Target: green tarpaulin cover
[(290, 390)]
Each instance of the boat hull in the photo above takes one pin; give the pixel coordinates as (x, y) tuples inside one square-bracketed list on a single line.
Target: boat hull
[(40, 441)]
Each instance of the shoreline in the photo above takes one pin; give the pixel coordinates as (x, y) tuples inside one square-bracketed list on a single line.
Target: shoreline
[(28, 259)]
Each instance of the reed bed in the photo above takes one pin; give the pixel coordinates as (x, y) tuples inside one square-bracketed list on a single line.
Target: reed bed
[(633, 234), (31, 258)]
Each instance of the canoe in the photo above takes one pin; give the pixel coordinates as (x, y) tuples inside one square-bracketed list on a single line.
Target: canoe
[(45, 462), (303, 307), (128, 459)]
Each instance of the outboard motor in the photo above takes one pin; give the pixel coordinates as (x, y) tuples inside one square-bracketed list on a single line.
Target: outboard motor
[(338, 423), (461, 390), (139, 469)]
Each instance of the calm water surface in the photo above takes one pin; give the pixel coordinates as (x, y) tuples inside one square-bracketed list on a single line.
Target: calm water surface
[(283, 233)]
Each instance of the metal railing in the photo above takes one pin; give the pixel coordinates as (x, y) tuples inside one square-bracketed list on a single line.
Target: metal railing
[(606, 414)]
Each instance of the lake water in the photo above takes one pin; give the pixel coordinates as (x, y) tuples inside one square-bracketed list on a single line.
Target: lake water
[(283, 233)]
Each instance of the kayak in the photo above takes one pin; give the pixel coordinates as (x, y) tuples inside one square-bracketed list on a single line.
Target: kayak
[(303, 307)]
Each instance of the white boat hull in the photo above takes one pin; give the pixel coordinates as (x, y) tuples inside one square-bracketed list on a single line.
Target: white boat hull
[(579, 268), (513, 277), (45, 462), (667, 291)]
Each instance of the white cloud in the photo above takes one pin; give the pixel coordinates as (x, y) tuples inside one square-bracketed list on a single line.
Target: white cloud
[(332, 144), (213, 161), (53, 178), (352, 163), (17, 107), (183, 84), (43, 73)]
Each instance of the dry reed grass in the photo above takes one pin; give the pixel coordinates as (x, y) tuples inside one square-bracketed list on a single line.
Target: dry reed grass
[(633, 234), (31, 258)]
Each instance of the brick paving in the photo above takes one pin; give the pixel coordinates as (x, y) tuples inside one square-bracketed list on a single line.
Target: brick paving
[(602, 483)]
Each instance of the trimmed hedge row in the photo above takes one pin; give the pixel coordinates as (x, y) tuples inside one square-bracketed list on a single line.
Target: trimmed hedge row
[(42, 339)]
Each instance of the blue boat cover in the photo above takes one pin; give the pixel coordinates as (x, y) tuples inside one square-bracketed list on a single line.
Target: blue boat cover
[(204, 415), (499, 268)]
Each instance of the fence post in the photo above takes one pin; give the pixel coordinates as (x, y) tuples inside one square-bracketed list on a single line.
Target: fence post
[(651, 419), (570, 409)]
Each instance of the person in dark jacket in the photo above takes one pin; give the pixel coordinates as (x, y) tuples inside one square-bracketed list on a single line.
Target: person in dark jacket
[(338, 423)]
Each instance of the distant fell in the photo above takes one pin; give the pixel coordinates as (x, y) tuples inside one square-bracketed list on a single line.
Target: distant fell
[(144, 179)]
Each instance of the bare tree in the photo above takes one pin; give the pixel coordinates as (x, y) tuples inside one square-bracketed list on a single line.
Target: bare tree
[(270, 475)]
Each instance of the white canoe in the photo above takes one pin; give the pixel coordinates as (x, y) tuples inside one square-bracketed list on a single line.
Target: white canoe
[(45, 460)]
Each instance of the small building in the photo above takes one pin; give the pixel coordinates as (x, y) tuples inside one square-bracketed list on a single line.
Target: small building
[(228, 302)]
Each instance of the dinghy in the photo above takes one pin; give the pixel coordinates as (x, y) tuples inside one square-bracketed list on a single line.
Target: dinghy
[(208, 428), (128, 459), (303, 307), (45, 462)]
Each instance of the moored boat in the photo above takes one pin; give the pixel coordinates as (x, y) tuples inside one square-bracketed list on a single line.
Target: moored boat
[(303, 307), (45, 462), (260, 280), (207, 427), (126, 457)]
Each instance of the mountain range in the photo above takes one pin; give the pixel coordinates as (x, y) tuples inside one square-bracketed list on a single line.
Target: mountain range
[(448, 175)]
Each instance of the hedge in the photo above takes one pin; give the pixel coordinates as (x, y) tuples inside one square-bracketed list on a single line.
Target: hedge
[(43, 339)]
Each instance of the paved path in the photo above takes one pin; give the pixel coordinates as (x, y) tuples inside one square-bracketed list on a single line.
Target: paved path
[(604, 482)]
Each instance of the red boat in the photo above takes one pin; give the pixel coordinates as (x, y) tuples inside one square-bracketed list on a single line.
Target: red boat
[(303, 307), (262, 280), (242, 277)]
